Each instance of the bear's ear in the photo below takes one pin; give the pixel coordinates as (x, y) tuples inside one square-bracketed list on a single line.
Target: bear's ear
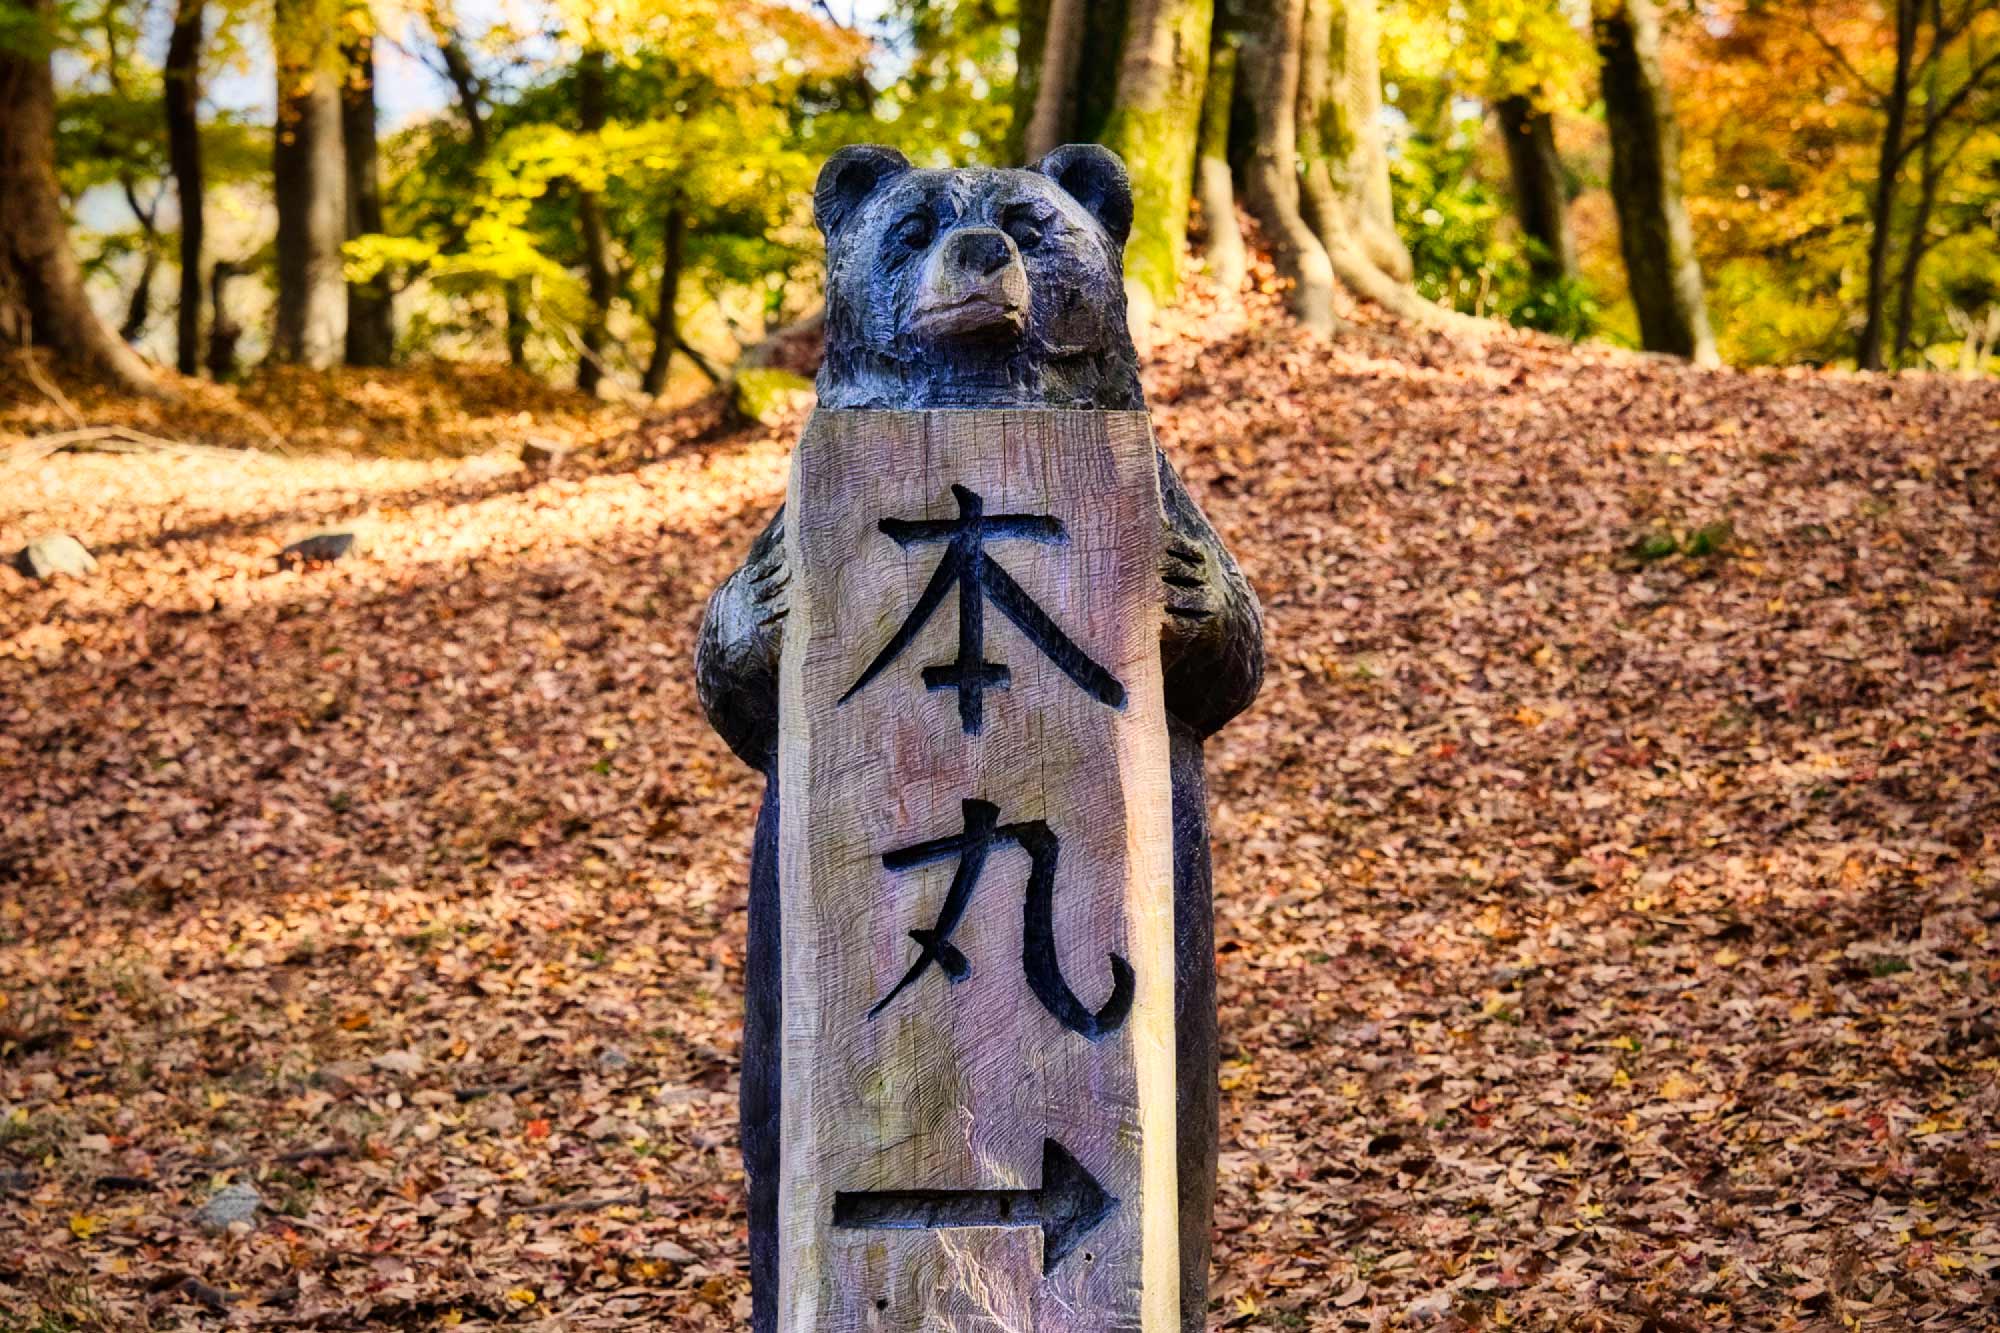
[(1095, 177), (849, 177)]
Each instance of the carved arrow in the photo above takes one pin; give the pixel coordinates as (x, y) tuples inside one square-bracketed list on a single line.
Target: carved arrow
[(1067, 1207)]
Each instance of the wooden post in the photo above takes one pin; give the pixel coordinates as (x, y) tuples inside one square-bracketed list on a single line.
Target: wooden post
[(976, 877)]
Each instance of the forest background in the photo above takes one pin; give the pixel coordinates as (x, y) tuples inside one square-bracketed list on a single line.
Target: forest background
[(615, 194)]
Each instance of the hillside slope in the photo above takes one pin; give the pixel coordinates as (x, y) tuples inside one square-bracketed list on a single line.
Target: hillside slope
[(1606, 877)]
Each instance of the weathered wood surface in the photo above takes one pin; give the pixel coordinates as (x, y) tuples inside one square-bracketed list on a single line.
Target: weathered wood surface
[(939, 1108)]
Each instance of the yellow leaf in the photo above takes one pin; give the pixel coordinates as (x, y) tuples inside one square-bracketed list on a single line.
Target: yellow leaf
[(522, 1296), (83, 1226), (1727, 958), (1677, 1087)]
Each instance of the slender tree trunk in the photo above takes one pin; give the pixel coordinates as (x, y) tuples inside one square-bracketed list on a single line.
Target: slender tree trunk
[(1915, 250), (1049, 96), (310, 172), (666, 324), (223, 330), (1270, 63), (1882, 204), (472, 105), (1930, 171), (183, 98), (42, 300), (1214, 187), (465, 83), (1541, 202), (516, 297), (371, 305), (590, 222), (1154, 127), (139, 309), (1931, 168), (139, 306), (1653, 229)]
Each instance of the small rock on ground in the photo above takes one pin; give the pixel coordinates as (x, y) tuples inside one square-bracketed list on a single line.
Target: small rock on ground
[(542, 455), (230, 1205), (319, 548), (57, 553)]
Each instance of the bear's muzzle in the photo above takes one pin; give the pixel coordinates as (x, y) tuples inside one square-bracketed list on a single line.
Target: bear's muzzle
[(973, 288)]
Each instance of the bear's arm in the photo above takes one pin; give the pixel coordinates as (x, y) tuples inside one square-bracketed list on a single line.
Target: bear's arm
[(736, 657), (1212, 645)]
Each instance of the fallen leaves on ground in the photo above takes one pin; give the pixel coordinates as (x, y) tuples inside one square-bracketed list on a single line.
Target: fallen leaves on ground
[(1606, 878)]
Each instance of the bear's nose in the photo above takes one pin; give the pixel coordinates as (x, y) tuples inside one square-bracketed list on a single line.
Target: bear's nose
[(980, 250)]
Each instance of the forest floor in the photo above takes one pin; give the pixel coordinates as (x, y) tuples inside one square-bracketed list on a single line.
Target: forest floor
[(1608, 877)]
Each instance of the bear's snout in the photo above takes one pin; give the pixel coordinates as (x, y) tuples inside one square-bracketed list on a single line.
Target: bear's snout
[(973, 286), (979, 250)]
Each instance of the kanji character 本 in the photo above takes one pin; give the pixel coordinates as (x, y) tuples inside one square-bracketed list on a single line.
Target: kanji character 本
[(979, 578), (983, 831)]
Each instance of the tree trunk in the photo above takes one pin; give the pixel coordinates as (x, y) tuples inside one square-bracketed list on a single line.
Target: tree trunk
[(1931, 168), (42, 301), (1344, 170), (590, 223), (371, 305), (1653, 229), (1088, 37), (472, 105), (1154, 127), (223, 331), (182, 98), (139, 309), (309, 170), (1541, 202), (1045, 98), (1357, 51), (471, 99), (517, 325), (1882, 204), (1214, 188), (1270, 63), (1095, 90), (1914, 251), (666, 325)]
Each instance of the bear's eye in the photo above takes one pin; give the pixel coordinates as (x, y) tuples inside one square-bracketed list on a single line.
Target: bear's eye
[(1025, 229), (915, 231)]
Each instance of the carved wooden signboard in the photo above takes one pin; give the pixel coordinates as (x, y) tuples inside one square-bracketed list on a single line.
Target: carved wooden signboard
[(976, 874)]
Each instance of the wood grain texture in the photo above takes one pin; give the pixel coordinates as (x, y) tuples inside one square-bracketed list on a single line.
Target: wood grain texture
[(958, 1086)]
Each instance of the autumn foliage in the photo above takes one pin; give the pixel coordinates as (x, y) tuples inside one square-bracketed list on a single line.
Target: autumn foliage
[(1606, 877)]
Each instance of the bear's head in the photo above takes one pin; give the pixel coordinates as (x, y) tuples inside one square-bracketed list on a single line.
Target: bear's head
[(978, 287)]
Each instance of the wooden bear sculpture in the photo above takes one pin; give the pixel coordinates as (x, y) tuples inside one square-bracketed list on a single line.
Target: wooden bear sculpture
[(988, 288)]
